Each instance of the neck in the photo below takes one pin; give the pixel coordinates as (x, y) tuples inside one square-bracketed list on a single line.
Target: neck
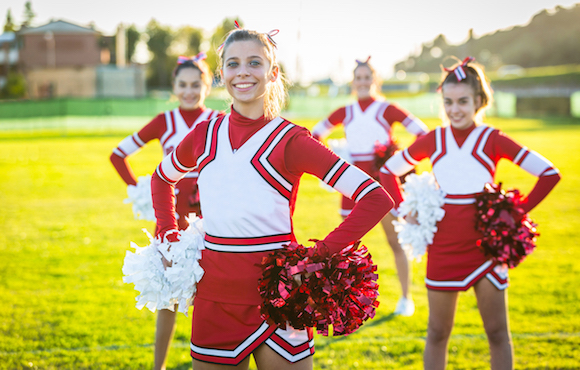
[(253, 110)]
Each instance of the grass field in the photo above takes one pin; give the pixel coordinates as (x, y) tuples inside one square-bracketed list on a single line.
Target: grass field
[(64, 230)]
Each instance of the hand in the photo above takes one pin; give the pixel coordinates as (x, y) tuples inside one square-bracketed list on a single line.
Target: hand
[(411, 219)]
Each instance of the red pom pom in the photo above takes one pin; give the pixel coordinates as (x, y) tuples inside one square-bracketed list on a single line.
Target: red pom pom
[(509, 235), (340, 290), (383, 152)]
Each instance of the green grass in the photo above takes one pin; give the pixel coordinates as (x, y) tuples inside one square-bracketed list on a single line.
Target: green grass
[(64, 231)]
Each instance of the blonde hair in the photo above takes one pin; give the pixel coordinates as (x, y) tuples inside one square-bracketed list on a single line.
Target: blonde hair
[(276, 93), (476, 79)]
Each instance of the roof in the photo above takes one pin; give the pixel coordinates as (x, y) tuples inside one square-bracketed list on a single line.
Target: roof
[(8, 37), (58, 26)]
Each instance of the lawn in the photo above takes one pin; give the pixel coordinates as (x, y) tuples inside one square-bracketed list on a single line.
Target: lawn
[(64, 231)]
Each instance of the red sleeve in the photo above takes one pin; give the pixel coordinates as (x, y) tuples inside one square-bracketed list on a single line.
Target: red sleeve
[(423, 147), (305, 154), (187, 152), (154, 129), (394, 113), (392, 185), (499, 146), (124, 169), (337, 117)]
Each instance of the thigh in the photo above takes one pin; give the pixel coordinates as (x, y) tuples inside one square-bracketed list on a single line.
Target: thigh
[(267, 359), (492, 304), (442, 307)]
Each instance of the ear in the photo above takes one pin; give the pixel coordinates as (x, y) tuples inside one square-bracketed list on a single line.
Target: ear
[(275, 73)]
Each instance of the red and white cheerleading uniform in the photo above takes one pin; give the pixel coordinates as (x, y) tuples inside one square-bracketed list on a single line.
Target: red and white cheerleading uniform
[(367, 122), (249, 171), (463, 161), (169, 128)]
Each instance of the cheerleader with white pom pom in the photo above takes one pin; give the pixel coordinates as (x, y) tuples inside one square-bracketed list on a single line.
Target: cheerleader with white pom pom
[(250, 163), (368, 125), (192, 82), (464, 155)]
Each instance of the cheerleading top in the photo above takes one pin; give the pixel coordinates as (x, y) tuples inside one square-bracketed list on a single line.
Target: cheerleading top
[(463, 161), (249, 176), (470, 168), (366, 122), (169, 127)]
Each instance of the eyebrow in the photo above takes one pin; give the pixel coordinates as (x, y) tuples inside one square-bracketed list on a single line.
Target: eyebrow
[(250, 57)]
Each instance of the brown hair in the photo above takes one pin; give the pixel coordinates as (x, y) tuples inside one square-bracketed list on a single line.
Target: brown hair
[(275, 90), (201, 66), (475, 78)]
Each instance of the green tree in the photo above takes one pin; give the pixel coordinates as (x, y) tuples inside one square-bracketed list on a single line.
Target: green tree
[(9, 26), (133, 36), (29, 14), (160, 66), (15, 86)]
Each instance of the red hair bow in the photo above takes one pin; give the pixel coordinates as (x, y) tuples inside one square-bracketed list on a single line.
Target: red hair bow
[(459, 71)]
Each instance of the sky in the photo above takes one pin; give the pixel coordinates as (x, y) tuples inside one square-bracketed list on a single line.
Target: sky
[(318, 38)]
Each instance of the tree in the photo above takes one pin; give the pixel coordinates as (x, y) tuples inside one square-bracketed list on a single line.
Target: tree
[(160, 67), (15, 86), (28, 14), (133, 36), (9, 26)]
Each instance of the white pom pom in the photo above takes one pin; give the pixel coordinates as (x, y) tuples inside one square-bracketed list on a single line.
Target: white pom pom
[(161, 288), (140, 196), (424, 201)]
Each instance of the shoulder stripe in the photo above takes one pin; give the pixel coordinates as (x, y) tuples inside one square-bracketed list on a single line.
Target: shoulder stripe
[(478, 152), (209, 151)]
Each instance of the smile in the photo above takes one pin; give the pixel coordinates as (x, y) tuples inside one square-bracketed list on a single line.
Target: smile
[(244, 86)]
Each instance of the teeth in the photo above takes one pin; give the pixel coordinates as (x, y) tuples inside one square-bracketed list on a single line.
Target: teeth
[(243, 86)]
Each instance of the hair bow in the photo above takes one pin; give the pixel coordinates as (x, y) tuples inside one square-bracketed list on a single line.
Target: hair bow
[(459, 71), (195, 59), (365, 62)]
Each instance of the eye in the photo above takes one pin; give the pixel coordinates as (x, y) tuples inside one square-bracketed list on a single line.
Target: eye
[(232, 64), (255, 63)]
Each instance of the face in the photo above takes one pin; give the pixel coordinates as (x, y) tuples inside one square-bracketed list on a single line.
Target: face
[(189, 88), (460, 104), (363, 82), (246, 73)]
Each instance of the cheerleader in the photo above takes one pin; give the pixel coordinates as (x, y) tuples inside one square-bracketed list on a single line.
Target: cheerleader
[(250, 163), (464, 154), (191, 85), (368, 126)]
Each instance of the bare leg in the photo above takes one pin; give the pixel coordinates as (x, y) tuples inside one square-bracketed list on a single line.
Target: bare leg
[(267, 359), (200, 365), (163, 335), (442, 306), (492, 304), (401, 261)]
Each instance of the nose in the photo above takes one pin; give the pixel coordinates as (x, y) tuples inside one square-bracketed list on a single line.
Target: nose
[(242, 71)]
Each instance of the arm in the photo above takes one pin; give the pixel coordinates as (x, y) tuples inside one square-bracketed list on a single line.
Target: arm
[(531, 162), (173, 167), (412, 124), (305, 154), (323, 128), (132, 144)]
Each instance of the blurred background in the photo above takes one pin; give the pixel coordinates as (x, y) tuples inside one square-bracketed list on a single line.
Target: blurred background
[(115, 58)]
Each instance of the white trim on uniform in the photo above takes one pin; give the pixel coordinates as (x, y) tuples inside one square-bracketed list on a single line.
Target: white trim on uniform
[(235, 352), (462, 283)]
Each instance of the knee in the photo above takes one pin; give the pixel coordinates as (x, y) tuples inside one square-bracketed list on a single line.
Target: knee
[(498, 336), (438, 334)]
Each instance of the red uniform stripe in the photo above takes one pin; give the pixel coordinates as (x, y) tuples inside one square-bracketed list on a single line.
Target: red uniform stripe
[(362, 187), (249, 241), (213, 145), (173, 128), (442, 144), (337, 174), (477, 156), (286, 193)]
